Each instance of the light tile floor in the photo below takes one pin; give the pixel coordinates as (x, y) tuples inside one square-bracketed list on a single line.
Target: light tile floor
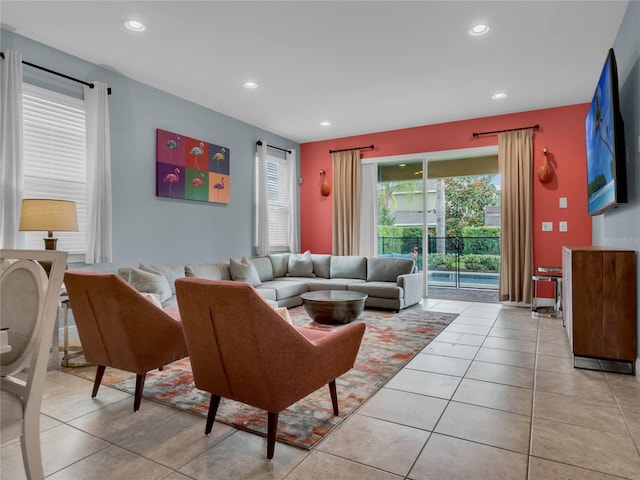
[(495, 396)]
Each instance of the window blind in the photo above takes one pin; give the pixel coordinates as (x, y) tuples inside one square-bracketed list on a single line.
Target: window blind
[(55, 160), (279, 208)]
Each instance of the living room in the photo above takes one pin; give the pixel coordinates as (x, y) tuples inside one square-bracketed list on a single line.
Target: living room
[(153, 230)]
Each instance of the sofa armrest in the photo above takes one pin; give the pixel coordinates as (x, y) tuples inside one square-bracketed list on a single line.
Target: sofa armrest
[(411, 283)]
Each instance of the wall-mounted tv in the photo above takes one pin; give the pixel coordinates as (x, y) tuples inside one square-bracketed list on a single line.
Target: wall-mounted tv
[(606, 163)]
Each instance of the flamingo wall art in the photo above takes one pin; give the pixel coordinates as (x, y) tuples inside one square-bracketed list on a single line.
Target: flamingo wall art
[(202, 168)]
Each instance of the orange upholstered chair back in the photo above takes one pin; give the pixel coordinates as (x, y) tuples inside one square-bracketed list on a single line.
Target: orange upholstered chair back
[(120, 328), (241, 348)]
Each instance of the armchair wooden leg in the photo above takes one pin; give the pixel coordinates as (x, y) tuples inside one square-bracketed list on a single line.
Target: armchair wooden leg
[(98, 379), (139, 388), (334, 396), (211, 416), (272, 429)]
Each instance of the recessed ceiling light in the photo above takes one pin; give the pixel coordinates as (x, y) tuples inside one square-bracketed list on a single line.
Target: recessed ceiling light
[(479, 29), (325, 124), (498, 96), (135, 25), (250, 85)]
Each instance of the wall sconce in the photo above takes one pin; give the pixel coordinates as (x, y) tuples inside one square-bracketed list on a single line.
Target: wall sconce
[(545, 172), (47, 215), (325, 188)]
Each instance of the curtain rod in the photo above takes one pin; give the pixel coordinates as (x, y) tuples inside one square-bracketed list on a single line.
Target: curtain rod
[(368, 147), (259, 142), (476, 134), (90, 85)]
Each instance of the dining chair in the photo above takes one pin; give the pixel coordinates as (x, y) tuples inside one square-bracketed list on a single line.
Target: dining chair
[(28, 312)]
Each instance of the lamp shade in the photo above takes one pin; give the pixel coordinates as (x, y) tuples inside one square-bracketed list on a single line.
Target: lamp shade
[(42, 214)]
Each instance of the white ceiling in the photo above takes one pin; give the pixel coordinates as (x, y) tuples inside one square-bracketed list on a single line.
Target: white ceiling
[(366, 66)]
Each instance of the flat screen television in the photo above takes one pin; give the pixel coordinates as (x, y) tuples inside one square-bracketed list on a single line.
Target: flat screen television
[(606, 163)]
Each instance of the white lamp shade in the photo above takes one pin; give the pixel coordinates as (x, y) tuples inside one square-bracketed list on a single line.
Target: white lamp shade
[(41, 214)]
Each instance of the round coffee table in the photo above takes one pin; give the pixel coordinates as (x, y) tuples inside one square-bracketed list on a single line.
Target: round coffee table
[(333, 306)]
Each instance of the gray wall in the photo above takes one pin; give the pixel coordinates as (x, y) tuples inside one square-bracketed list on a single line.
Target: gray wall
[(147, 228), (620, 228)]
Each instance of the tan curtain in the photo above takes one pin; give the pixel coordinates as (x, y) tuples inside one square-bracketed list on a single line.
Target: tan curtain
[(515, 154), (346, 202)]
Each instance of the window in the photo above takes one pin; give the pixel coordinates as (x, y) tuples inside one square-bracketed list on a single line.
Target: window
[(55, 160), (279, 208)]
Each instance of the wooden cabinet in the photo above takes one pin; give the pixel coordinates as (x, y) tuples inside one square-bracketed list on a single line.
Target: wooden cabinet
[(599, 303)]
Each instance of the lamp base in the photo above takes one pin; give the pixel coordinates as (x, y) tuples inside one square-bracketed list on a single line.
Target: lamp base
[(50, 243)]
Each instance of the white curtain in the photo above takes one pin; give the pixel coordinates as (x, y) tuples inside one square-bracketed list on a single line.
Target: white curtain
[(262, 205), (293, 201), (369, 210), (98, 174), (10, 147)]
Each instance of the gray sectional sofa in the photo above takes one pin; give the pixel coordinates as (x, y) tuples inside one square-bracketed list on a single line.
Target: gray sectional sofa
[(390, 283)]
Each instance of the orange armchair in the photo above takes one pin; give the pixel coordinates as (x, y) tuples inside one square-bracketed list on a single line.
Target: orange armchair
[(242, 349), (120, 328)]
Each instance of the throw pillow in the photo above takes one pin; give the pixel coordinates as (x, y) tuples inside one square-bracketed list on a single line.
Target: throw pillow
[(148, 282), (171, 272), (152, 298), (321, 265), (300, 265), (243, 271), (279, 261), (284, 313)]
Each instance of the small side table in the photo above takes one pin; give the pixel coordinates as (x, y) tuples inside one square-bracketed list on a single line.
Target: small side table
[(553, 275), (69, 353)]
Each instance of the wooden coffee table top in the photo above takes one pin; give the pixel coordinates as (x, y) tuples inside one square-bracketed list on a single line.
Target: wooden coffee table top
[(333, 296)]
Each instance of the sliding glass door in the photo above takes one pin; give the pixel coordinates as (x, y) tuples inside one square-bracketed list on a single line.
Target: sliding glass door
[(400, 199), (424, 205)]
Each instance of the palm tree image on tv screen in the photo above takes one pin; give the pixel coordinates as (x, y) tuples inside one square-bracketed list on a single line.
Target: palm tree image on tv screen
[(606, 182)]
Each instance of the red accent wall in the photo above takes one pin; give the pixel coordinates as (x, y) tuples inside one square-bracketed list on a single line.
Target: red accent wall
[(561, 133)]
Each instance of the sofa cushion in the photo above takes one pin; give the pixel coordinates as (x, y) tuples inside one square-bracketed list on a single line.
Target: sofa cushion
[(149, 282), (170, 271), (279, 262), (387, 269), (210, 271), (267, 293), (321, 265), (243, 271), (300, 265), (348, 266), (331, 283), (378, 289), (263, 267), (285, 289)]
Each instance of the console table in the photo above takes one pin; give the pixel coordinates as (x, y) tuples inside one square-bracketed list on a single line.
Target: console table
[(599, 306)]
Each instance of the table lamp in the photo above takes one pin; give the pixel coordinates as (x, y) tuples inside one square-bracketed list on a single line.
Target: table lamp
[(48, 215)]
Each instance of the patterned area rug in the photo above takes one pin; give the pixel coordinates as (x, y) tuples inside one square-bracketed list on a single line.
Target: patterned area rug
[(390, 341)]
